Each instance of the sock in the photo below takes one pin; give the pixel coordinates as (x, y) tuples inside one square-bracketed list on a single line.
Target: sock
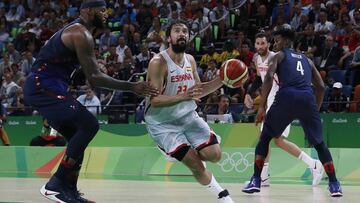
[(326, 160), (214, 186), (330, 171), (265, 171), (258, 165), (307, 159)]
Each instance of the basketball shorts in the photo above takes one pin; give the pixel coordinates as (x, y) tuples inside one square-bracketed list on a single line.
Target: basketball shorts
[(190, 130)]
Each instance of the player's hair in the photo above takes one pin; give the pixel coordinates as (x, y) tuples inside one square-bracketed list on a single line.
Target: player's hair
[(176, 22), (285, 33), (261, 35)]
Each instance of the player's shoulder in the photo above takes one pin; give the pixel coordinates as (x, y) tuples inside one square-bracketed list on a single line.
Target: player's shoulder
[(157, 60), (77, 31), (272, 53)]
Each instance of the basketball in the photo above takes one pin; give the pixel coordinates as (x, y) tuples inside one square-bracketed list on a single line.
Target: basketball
[(233, 73)]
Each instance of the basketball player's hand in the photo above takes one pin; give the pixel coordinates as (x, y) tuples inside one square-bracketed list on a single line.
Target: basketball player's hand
[(145, 89), (260, 115), (194, 92)]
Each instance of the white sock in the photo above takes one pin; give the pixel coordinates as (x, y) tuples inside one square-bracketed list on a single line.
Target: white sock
[(307, 159), (214, 186), (265, 171)]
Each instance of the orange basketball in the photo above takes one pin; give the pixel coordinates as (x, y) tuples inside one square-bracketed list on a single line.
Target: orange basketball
[(233, 73)]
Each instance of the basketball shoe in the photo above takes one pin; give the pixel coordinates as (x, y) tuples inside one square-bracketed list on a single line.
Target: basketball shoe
[(224, 197), (253, 186), (335, 189), (56, 191), (317, 172)]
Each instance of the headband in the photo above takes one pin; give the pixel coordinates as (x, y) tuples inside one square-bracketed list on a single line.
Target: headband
[(93, 4)]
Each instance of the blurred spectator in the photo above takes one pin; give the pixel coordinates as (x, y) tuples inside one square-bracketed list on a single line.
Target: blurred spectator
[(5, 64), (314, 12), (142, 59), (211, 54), (90, 101), (338, 101), (356, 22), (211, 101), (211, 71), (324, 27), (296, 16), (241, 39), (282, 9), (16, 72), (27, 62), (8, 90), (223, 109), (135, 43), (14, 55), (107, 40), (229, 52), (201, 23), (355, 66), (4, 36), (356, 8), (246, 55), (12, 16), (310, 43), (120, 49), (331, 55)]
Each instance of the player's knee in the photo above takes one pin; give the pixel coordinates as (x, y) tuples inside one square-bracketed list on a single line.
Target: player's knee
[(215, 156), (92, 126), (279, 141)]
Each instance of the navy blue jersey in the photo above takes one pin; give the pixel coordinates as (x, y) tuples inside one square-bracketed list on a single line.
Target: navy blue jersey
[(55, 64), (294, 70)]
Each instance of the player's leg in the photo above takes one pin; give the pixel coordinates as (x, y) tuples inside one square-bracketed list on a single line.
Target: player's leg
[(311, 123), (265, 175), (79, 126), (314, 165), (206, 142), (3, 135), (276, 120)]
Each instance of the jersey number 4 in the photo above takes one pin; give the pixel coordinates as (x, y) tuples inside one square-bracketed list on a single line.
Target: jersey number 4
[(181, 89), (299, 67)]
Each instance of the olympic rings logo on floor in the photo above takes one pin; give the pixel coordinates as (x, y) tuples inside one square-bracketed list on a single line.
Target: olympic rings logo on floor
[(236, 161)]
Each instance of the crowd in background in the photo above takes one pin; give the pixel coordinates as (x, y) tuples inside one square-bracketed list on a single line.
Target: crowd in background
[(328, 32)]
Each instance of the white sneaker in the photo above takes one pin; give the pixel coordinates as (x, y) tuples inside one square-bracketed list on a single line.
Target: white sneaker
[(317, 173), (265, 182), (225, 197)]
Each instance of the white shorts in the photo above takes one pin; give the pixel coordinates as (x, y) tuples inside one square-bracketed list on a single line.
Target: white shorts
[(190, 130), (270, 101)]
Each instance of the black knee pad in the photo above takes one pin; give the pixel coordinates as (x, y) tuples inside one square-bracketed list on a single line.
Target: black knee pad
[(180, 153)]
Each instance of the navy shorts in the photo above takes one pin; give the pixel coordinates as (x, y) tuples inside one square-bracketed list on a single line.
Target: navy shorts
[(291, 104), (63, 112)]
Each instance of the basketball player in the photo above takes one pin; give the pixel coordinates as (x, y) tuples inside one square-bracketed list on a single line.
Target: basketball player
[(46, 89), (294, 100), (171, 118), (261, 59)]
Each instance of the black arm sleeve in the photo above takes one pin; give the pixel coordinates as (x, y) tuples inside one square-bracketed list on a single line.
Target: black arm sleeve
[(255, 85)]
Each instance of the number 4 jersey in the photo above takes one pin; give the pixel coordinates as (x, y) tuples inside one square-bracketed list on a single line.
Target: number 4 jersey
[(178, 80)]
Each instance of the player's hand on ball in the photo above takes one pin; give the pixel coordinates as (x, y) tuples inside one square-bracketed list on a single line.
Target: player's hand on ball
[(260, 115), (145, 89)]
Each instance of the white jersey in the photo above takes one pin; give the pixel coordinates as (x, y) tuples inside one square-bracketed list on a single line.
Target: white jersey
[(262, 66), (178, 80)]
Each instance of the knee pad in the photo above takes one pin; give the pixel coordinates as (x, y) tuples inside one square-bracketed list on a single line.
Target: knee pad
[(180, 153)]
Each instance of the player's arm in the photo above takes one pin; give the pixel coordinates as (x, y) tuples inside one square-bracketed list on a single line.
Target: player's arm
[(207, 87), (156, 75), (81, 41), (267, 84), (318, 84), (257, 82)]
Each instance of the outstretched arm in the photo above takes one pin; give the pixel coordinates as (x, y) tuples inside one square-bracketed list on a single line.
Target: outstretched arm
[(207, 87), (80, 39)]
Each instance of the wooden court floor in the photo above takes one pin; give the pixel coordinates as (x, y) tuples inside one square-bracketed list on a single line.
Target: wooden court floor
[(27, 190)]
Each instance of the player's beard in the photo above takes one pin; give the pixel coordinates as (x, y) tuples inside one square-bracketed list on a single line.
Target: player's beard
[(179, 47), (97, 22)]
